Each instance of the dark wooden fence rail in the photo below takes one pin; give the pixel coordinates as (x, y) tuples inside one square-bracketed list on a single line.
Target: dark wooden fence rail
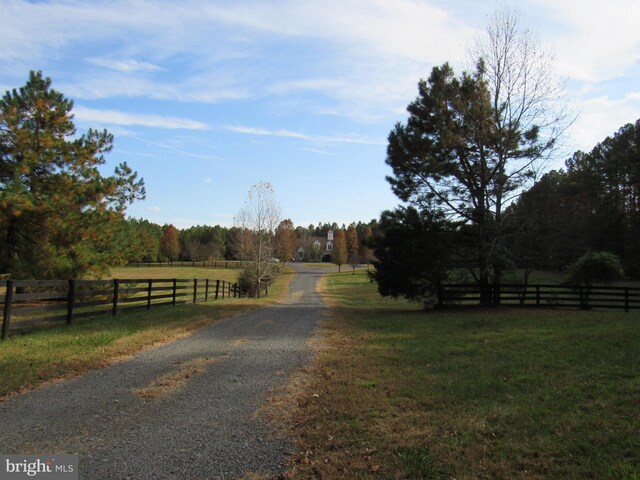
[(189, 263), (538, 295), (29, 302)]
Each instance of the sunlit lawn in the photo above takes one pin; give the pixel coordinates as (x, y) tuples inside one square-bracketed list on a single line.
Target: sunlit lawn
[(399, 393), (227, 274)]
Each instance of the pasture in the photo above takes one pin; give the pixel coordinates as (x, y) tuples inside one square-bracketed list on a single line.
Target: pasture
[(485, 393)]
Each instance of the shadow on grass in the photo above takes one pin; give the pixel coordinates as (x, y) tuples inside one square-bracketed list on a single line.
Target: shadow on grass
[(494, 393)]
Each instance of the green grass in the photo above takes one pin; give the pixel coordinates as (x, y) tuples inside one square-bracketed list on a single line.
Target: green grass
[(472, 394), (227, 274)]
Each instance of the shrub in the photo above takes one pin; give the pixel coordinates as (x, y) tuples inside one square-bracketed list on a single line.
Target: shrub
[(593, 267), (247, 284)]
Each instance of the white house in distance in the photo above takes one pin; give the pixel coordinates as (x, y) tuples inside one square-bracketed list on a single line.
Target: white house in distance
[(315, 249)]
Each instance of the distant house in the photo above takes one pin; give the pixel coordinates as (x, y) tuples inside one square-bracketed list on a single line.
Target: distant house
[(315, 249)]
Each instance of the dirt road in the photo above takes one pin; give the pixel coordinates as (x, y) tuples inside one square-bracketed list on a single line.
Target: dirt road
[(181, 411)]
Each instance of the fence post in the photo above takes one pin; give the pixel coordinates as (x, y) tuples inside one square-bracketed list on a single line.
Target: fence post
[(8, 300), (149, 294), (175, 289), (116, 295), (223, 287), (583, 305), (537, 295), (626, 299), (206, 290), (195, 290), (217, 288), (71, 300)]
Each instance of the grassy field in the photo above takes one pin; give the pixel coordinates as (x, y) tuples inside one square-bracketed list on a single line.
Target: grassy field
[(33, 356), (227, 274), (400, 393)]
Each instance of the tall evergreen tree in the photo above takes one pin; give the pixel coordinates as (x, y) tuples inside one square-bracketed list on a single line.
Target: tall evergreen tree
[(443, 157), (57, 212)]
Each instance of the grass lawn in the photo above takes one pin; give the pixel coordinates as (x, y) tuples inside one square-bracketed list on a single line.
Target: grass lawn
[(400, 393), (227, 274), (32, 356)]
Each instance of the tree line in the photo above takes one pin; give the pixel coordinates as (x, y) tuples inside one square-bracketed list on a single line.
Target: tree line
[(60, 217), (140, 240), (591, 205)]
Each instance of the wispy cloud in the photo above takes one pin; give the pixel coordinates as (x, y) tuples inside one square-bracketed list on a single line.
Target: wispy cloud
[(601, 117), (283, 133), (356, 59), (607, 35), (371, 43), (319, 152), (176, 150), (114, 117), (124, 65), (154, 209), (200, 87)]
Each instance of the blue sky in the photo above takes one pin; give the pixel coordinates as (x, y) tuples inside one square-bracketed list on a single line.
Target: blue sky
[(206, 99)]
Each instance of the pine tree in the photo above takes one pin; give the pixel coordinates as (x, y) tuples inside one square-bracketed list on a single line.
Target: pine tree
[(57, 212)]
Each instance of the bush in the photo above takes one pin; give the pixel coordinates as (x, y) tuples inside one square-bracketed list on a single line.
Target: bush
[(604, 267), (247, 284)]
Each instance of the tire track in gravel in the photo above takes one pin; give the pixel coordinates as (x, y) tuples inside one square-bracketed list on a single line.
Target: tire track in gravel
[(202, 428)]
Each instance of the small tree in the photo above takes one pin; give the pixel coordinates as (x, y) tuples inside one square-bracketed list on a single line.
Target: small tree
[(352, 242), (340, 252), (594, 267), (354, 261), (257, 222), (286, 241)]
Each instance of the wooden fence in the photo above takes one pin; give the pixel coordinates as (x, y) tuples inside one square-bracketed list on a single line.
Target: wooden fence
[(538, 295), (189, 263), (30, 302)]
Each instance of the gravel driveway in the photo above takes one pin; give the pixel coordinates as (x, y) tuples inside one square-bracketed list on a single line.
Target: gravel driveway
[(124, 425)]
